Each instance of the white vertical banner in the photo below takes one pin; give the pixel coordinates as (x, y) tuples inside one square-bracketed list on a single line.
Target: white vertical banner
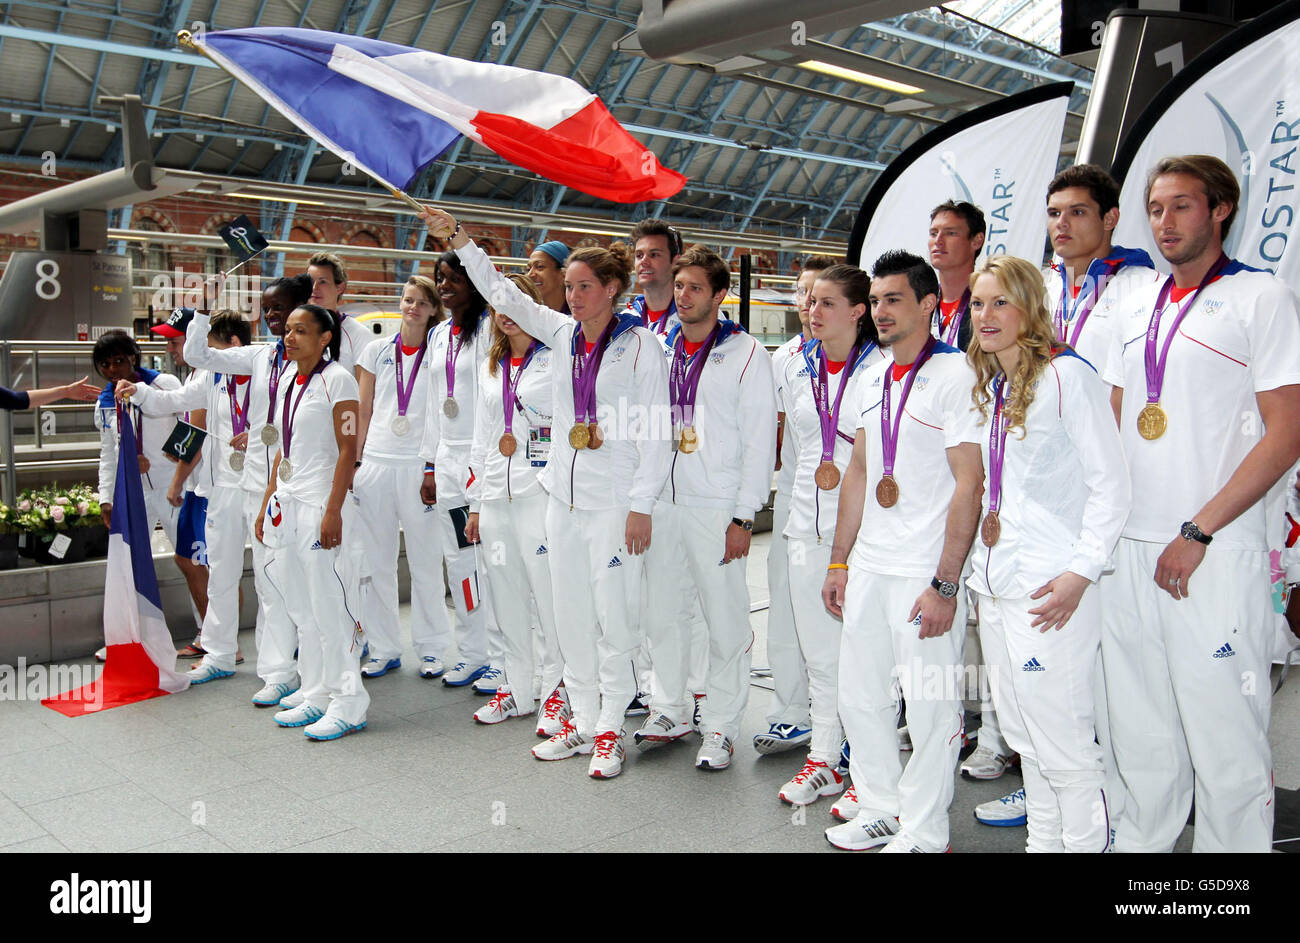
[(1239, 101), (1000, 156)]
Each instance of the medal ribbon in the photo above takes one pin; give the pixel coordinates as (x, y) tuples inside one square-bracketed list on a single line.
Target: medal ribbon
[(404, 390), (586, 366), (997, 444), (510, 387), (451, 363), (1082, 305), (888, 430), (238, 416), (1155, 366), (954, 324), (288, 417), (683, 381), (829, 416)]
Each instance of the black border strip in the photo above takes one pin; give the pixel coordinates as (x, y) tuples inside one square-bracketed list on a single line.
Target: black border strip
[(1209, 60), (932, 139)]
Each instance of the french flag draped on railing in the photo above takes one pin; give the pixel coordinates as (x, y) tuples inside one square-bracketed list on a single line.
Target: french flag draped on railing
[(391, 109), (141, 654)]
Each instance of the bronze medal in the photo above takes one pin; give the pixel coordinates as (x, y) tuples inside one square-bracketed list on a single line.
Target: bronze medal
[(1152, 421), (827, 476), (595, 440), (507, 445), (887, 492), (578, 436), (991, 529), (690, 440)]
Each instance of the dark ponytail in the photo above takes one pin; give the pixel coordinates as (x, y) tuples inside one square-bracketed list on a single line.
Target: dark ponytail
[(297, 288), (326, 320)]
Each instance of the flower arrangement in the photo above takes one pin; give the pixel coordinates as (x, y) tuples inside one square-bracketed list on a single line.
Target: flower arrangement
[(43, 510)]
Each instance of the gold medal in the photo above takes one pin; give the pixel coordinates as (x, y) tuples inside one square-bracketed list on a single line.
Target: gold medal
[(827, 476), (1152, 421), (690, 440), (507, 445), (991, 529), (595, 440), (887, 492), (578, 436)]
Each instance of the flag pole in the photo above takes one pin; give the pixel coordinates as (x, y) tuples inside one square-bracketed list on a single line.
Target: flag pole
[(186, 40)]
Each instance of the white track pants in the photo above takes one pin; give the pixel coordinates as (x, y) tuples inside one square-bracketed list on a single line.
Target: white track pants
[(819, 641), (323, 598), (789, 675), (389, 498), (466, 592), (1187, 683), (691, 615), (597, 585), (1043, 689), (516, 559), (225, 533), (879, 654), (276, 636), (158, 509), (686, 553)]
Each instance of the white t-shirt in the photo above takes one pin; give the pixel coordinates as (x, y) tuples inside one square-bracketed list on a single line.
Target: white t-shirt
[(497, 477), (907, 539), (356, 338), (1241, 337), (313, 451), (447, 439), (1093, 343), (812, 510), (785, 477), (379, 359), (1065, 489)]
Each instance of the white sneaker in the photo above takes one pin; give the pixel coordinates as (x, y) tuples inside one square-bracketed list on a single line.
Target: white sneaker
[(378, 667), (292, 700), (715, 752), (606, 755), (300, 716), (782, 737), (657, 730), (489, 682), (500, 707), (1007, 812), (273, 694), (462, 674), (695, 712), (431, 666), (637, 707), (815, 780), (846, 806), (332, 728), (865, 831), (568, 742), (904, 740), (902, 845), (985, 764), (555, 712)]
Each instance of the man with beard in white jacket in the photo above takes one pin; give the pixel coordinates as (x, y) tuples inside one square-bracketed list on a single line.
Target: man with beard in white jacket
[(724, 439)]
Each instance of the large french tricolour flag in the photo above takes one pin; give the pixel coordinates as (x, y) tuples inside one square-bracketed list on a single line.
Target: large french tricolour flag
[(391, 109), (141, 654)]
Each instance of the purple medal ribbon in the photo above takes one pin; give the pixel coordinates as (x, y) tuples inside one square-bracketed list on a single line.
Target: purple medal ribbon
[(404, 390), (1155, 366), (586, 366), (954, 325), (288, 417), (238, 416), (452, 335), (888, 430), (1083, 304), (510, 387), (829, 416), (273, 383), (683, 381), (997, 444)]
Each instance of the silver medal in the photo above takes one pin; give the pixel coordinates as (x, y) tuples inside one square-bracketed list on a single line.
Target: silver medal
[(400, 425), (286, 470), (449, 408), (237, 461), (269, 434)]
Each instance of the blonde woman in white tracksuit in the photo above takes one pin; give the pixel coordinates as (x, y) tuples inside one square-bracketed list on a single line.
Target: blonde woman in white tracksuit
[(394, 389), (608, 462), (512, 442)]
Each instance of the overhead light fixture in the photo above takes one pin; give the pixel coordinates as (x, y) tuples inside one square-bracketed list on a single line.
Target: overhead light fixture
[(277, 199), (591, 232), (862, 78)]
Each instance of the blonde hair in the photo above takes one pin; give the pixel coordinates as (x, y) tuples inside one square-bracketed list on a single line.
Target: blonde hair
[(500, 349), (1022, 285)]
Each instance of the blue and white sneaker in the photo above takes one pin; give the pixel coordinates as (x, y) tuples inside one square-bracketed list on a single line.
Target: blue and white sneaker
[(202, 673), (273, 694), (1007, 812), (463, 674), (332, 728), (782, 737), (431, 666), (488, 681), (300, 716), (377, 668), (844, 757)]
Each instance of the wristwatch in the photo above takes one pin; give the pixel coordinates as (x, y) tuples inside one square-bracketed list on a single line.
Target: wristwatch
[(944, 588), (746, 525), (1190, 531)]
